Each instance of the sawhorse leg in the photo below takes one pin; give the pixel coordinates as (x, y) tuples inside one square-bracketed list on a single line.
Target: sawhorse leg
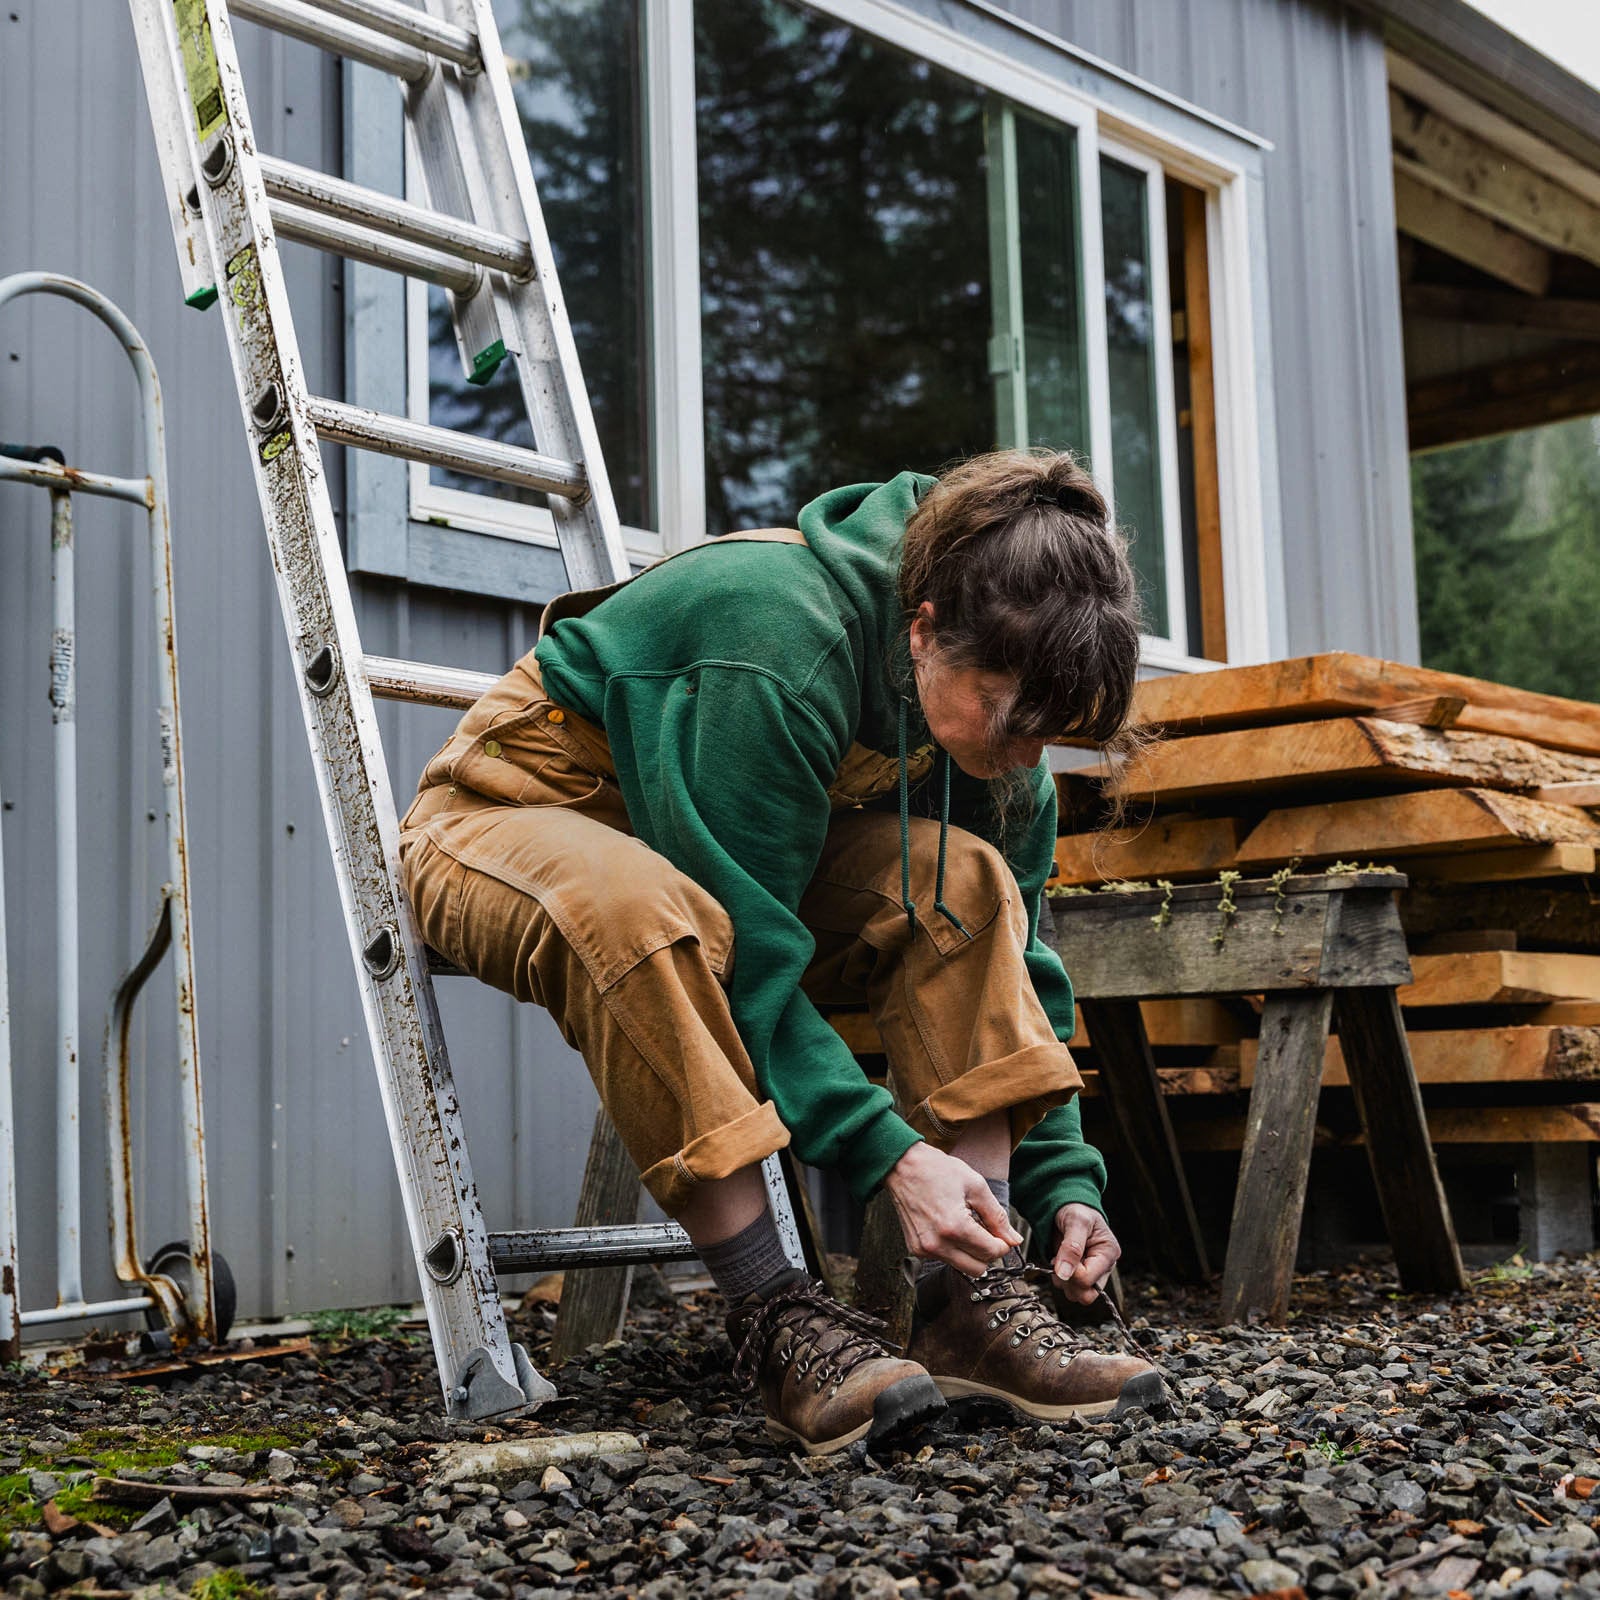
[(1132, 1091), (1276, 1159), (1378, 1060)]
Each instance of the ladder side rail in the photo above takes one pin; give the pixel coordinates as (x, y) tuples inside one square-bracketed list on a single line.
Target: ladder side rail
[(195, 266), (481, 1371), (484, 114), (450, 183)]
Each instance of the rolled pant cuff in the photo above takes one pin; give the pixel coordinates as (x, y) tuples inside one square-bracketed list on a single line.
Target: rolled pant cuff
[(719, 1153), (1026, 1084)]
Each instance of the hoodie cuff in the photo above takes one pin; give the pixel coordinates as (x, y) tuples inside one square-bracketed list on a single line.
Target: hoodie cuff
[(1074, 1191), (874, 1151)]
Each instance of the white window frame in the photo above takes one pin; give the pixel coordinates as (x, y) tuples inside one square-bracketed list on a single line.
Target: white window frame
[(672, 279)]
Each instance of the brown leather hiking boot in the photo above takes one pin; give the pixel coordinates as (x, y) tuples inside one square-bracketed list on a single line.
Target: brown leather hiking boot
[(998, 1338), (825, 1377)]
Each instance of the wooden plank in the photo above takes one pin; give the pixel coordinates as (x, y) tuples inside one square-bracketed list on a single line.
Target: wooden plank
[(1555, 913), (1516, 1054), (1502, 866), (1147, 944), (1491, 181), (1156, 1183), (1459, 231), (1502, 977), (1572, 319), (1188, 847), (1351, 750), (1213, 642), (594, 1301), (1389, 1106), (1522, 393), (1578, 1123), (1276, 1158), (1569, 794), (1453, 944), (1339, 682), (1420, 822)]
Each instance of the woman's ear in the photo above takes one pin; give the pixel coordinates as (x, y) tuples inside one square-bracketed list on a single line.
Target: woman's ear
[(922, 636)]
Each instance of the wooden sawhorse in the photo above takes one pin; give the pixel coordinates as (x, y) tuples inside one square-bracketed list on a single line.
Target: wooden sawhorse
[(1317, 947)]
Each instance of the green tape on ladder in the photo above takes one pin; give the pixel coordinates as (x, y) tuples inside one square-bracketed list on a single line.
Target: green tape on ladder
[(202, 298), (487, 362)]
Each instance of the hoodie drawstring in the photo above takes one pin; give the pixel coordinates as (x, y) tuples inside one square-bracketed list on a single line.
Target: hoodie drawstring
[(906, 901)]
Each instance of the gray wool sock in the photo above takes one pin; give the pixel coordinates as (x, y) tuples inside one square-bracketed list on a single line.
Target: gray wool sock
[(752, 1257), (1000, 1188)]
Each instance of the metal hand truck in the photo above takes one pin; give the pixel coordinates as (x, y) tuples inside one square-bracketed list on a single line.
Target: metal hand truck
[(482, 238), (184, 1289)]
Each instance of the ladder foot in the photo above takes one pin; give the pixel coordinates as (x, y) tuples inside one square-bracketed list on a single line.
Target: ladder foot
[(480, 1391)]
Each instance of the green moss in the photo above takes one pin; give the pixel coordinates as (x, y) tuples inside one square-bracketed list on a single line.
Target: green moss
[(229, 1584), (376, 1323)]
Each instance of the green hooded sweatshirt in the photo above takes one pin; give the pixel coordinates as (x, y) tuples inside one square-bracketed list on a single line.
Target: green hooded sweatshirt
[(731, 682)]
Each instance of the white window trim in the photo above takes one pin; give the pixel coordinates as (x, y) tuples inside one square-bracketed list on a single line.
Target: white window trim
[(673, 314)]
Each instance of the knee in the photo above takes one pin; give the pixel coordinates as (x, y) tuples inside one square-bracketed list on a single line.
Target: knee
[(651, 906), (978, 882)]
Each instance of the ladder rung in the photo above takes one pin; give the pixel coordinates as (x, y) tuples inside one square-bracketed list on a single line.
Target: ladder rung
[(350, 202), (327, 32), (533, 1249), (407, 25), (424, 684), (444, 447), (342, 238)]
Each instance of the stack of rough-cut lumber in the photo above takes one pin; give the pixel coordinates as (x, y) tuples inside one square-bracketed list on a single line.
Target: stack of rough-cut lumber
[(1479, 793)]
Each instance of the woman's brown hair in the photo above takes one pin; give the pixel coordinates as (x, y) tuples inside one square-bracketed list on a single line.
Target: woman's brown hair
[(1028, 576)]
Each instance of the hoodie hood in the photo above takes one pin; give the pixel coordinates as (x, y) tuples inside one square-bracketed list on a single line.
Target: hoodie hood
[(856, 533)]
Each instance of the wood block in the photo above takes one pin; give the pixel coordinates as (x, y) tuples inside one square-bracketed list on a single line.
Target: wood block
[(1444, 944), (1422, 822), (1555, 912), (1473, 1055), (1505, 866), (1320, 930), (1578, 1123), (1340, 683), (1569, 794), (1348, 750), (1192, 847), (1427, 711), (1501, 977)]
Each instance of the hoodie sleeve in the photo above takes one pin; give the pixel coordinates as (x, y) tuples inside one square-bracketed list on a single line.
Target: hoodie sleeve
[(1053, 1165), (725, 773)]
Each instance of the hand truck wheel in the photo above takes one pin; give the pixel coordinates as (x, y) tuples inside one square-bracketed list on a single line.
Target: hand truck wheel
[(174, 1261)]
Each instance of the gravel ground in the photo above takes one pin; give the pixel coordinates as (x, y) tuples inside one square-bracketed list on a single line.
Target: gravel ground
[(1382, 1445)]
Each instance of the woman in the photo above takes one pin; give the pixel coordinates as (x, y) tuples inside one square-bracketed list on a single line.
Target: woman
[(802, 766)]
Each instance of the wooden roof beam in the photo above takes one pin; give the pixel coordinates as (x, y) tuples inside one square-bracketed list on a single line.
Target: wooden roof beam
[(1434, 218), (1575, 319), (1526, 393), (1469, 169)]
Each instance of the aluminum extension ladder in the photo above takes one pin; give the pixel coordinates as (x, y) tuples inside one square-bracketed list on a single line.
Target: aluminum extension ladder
[(184, 1287), (481, 237)]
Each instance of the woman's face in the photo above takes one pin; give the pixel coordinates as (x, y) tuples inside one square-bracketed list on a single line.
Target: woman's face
[(965, 706)]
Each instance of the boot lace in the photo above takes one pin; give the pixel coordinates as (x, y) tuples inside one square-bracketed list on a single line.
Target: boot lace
[(826, 1339), (1014, 1293)]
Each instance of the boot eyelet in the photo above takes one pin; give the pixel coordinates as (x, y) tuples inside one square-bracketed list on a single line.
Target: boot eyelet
[(1038, 1355), (976, 1296)]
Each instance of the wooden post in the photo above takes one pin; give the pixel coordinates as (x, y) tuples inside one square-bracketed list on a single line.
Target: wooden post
[(1378, 1061), (1132, 1091), (1276, 1160), (594, 1300)]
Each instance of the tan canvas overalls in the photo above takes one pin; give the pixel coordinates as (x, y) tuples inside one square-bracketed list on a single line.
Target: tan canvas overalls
[(523, 869)]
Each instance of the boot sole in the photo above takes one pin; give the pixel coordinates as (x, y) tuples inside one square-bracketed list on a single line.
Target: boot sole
[(1143, 1392), (900, 1407)]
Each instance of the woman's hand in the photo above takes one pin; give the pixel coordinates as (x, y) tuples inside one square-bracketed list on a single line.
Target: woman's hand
[(947, 1212), (1086, 1251)]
